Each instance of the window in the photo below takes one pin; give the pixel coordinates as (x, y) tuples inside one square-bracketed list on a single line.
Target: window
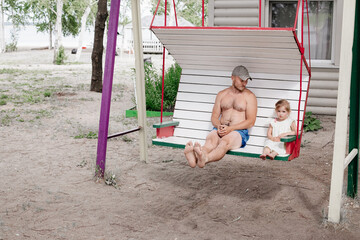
[(282, 14)]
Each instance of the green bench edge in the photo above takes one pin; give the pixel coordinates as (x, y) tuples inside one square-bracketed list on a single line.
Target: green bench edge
[(166, 124), (254, 155), (289, 138), (133, 113)]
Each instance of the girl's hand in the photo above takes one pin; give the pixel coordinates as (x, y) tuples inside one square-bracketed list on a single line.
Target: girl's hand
[(276, 139), (282, 135)]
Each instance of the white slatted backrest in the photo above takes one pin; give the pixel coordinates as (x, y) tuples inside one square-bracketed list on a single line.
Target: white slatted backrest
[(263, 51)]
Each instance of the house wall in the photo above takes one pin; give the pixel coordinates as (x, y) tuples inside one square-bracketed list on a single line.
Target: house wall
[(325, 76)]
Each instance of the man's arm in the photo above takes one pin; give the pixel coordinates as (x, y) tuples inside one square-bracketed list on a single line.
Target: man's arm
[(215, 115)]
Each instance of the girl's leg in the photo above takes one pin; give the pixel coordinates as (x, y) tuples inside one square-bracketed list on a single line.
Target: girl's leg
[(272, 155), (265, 153)]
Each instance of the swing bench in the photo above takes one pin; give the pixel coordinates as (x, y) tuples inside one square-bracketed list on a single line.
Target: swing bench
[(276, 62)]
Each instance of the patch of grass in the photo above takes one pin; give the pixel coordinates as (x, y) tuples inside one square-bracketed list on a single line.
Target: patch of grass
[(118, 96), (4, 96), (82, 86), (110, 179), (47, 93), (6, 120), (82, 164), (35, 79), (42, 113), (32, 96), (11, 71), (31, 99), (90, 99), (89, 135), (22, 85), (56, 79), (126, 139), (2, 102)]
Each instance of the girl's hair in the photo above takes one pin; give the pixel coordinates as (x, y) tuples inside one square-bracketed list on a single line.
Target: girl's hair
[(283, 103)]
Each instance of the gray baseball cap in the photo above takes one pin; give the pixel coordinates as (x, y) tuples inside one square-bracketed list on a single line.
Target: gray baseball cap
[(241, 72)]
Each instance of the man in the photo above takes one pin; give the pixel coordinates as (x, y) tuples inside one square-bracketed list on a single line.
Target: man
[(233, 113)]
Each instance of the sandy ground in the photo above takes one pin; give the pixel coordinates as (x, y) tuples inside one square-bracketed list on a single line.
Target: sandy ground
[(48, 189)]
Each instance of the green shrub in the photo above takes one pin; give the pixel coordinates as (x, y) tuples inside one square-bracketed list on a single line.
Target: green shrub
[(311, 123), (61, 56), (12, 46), (153, 87)]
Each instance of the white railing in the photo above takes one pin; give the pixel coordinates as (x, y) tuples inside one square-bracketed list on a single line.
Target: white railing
[(149, 46)]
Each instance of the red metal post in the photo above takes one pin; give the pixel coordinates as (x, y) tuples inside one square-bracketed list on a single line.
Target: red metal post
[(165, 12), (203, 13), (307, 12), (163, 74), (297, 13), (302, 24), (259, 13), (175, 13), (152, 21)]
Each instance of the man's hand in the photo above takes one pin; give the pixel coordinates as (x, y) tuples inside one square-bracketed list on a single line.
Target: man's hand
[(223, 130)]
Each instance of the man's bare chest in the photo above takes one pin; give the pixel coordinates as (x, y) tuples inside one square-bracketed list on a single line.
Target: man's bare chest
[(231, 101)]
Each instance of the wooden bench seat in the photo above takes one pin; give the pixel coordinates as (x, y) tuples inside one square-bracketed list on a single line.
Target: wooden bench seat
[(196, 97)]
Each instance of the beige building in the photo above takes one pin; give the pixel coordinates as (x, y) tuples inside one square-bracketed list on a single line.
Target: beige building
[(325, 28)]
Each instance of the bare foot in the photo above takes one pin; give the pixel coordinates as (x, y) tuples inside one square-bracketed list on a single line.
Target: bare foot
[(273, 155), (200, 155), (263, 156), (189, 154)]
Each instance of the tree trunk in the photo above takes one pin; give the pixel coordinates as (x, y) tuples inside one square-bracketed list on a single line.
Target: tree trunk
[(82, 31), (2, 28), (58, 27), (98, 48), (50, 35)]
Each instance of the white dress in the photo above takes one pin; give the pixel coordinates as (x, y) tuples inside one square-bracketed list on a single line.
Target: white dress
[(279, 127)]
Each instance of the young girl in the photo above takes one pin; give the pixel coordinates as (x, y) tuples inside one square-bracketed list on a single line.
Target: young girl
[(280, 127)]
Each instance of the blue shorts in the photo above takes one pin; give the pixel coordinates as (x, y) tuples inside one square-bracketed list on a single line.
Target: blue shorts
[(244, 133)]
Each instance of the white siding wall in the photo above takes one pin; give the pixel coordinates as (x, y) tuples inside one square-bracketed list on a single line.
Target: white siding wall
[(245, 13), (234, 13)]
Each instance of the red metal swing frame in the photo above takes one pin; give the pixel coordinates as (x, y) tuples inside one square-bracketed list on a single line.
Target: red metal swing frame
[(292, 148)]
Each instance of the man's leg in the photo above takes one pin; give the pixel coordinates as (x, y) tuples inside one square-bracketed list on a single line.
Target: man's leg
[(231, 141), (211, 142), (189, 154)]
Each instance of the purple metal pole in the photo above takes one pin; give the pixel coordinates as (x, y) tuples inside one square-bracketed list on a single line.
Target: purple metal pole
[(107, 87)]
